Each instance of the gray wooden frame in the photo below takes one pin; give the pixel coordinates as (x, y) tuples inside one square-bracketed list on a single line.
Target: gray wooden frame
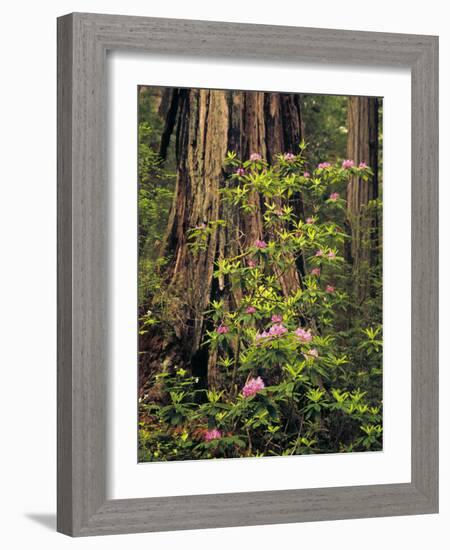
[(83, 40)]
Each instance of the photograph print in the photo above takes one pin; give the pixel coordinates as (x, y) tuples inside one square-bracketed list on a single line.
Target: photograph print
[(260, 251)]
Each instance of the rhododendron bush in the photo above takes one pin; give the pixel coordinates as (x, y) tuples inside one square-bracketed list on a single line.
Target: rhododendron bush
[(294, 354)]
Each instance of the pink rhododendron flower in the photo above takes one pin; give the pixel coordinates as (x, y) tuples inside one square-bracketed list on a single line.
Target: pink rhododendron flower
[(251, 263), (250, 310), (334, 196), (252, 386), (277, 330), (331, 254), (260, 244), (240, 171), (319, 253), (309, 220), (306, 175), (277, 318), (330, 289), (255, 157), (303, 335), (209, 435), (262, 335), (362, 165), (289, 156), (348, 164), (201, 226), (311, 354), (222, 329), (315, 271), (324, 165)]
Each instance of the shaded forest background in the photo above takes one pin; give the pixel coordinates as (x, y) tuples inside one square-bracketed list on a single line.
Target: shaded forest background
[(184, 137)]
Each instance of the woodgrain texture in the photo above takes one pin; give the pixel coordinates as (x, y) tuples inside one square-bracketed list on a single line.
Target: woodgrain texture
[(83, 40)]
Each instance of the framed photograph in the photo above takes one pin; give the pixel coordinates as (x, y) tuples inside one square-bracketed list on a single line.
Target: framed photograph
[(247, 274)]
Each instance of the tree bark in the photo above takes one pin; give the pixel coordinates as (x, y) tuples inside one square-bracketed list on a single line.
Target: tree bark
[(362, 146)]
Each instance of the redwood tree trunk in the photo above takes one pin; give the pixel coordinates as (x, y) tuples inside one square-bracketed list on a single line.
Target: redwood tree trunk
[(362, 146), (208, 123)]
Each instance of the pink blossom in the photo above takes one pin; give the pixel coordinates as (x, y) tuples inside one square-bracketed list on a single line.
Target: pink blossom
[(315, 271), (348, 164), (277, 330), (334, 196), (330, 289), (277, 318), (362, 165), (331, 254), (289, 156), (240, 172), (260, 244), (306, 175), (262, 335), (309, 220), (209, 435), (251, 263), (311, 354), (324, 165), (201, 226), (319, 253), (250, 310), (255, 157), (253, 386), (222, 329), (303, 335)]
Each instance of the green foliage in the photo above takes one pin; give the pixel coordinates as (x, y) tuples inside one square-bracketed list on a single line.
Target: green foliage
[(299, 370), (155, 195), (325, 123)]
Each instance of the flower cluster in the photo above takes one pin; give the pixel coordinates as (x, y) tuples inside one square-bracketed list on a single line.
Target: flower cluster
[(303, 335), (275, 331), (278, 330), (209, 435), (311, 354), (348, 164), (253, 386)]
